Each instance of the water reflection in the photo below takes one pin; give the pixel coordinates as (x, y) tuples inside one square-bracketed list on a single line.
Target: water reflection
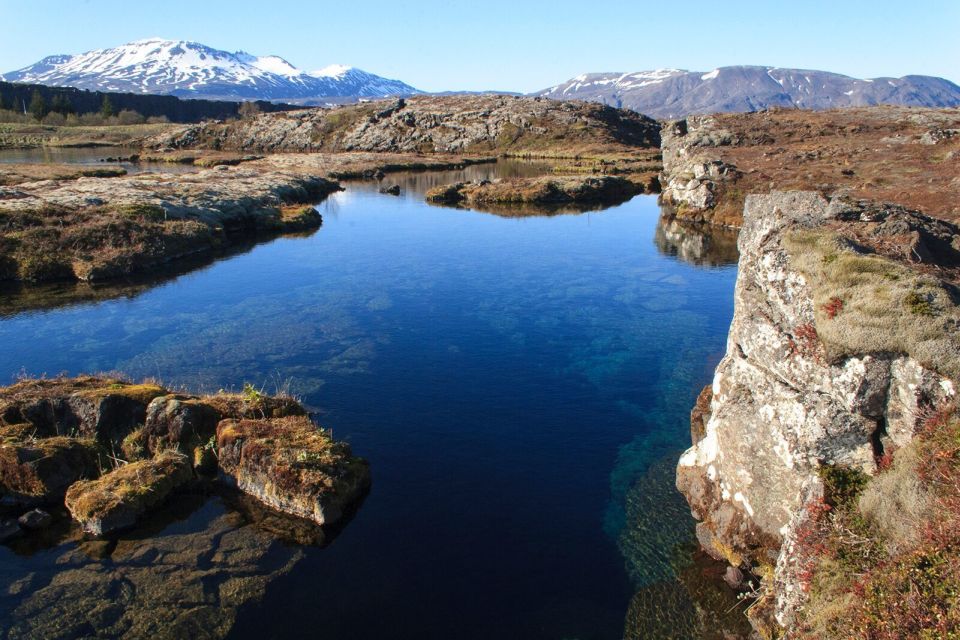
[(696, 243), (90, 156)]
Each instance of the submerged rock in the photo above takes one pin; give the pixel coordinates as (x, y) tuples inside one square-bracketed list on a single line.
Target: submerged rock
[(117, 499), (292, 465), (191, 581), (35, 519)]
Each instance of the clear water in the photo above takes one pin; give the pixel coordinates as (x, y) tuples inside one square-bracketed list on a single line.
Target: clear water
[(516, 383)]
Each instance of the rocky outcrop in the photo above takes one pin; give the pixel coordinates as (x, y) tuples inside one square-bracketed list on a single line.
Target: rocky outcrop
[(39, 471), (119, 498), (429, 124), (691, 173), (546, 191), (142, 442), (832, 359), (291, 465)]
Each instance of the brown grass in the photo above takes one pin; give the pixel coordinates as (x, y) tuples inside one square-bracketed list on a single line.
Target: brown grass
[(866, 303), (872, 153)]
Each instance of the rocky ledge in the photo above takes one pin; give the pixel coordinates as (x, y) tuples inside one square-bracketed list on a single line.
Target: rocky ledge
[(844, 337), (114, 450)]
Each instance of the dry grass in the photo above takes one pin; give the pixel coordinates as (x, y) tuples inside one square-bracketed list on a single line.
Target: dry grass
[(23, 135), (13, 174), (544, 190), (865, 303), (292, 453), (873, 153), (135, 486)]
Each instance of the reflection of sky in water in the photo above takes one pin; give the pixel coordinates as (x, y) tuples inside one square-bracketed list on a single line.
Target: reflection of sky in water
[(511, 380)]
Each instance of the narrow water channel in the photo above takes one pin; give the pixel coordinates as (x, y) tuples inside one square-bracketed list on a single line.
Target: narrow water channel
[(520, 385)]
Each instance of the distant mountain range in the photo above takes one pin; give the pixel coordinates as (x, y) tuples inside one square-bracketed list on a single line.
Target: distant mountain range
[(190, 69), (671, 93), (193, 70)]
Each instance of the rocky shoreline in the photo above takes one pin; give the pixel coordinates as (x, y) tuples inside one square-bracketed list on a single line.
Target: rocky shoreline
[(112, 451)]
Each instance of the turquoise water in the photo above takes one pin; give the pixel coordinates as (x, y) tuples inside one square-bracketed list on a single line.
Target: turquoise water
[(513, 382)]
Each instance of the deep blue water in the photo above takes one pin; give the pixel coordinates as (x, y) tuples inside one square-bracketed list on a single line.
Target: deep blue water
[(510, 380)]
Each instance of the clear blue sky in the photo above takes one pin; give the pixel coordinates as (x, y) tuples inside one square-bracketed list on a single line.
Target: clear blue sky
[(511, 45)]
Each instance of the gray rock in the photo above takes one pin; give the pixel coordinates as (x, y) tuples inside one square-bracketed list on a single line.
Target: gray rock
[(780, 409), (35, 519)]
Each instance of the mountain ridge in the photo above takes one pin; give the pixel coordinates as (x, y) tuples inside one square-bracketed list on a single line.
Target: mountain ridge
[(190, 69), (673, 93)]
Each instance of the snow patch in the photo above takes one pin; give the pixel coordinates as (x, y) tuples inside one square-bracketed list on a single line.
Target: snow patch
[(710, 76)]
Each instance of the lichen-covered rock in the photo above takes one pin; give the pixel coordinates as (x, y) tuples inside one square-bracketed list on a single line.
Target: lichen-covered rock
[(41, 470), (691, 174), (803, 385), (291, 465), (118, 498)]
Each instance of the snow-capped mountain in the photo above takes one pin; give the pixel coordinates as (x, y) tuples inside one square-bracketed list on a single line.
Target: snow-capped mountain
[(190, 69), (672, 93)]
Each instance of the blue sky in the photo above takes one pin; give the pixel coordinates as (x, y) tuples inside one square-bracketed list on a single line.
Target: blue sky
[(511, 45)]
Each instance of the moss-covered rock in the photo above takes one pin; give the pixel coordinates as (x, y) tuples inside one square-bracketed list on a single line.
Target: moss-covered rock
[(88, 406), (179, 421), (292, 465), (117, 499), (40, 471)]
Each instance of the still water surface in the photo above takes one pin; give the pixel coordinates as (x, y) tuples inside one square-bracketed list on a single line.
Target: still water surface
[(514, 382)]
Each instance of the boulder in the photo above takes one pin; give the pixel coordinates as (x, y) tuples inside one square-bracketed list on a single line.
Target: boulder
[(393, 190), (39, 471), (174, 420), (35, 519), (117, 499), (291, 465)]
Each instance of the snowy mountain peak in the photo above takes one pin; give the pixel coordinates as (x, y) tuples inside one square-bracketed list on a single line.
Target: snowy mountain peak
[(332, 71), (191, 69)]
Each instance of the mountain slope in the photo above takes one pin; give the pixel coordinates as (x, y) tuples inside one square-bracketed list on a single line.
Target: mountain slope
[(671, 93), (190, 69)]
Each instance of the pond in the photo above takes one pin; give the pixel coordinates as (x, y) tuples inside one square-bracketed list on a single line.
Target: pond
[(98, 156), (520, 385)]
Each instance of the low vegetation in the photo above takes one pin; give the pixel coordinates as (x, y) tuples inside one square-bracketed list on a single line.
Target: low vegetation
[(865, 303), (889, 154), (883, 553)]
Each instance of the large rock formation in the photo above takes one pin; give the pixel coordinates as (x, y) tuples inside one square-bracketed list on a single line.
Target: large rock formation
[(838, 346), (452, 124), (691, 171)]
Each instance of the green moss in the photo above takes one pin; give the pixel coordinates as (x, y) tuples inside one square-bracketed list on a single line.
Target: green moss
[(841, 485)]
